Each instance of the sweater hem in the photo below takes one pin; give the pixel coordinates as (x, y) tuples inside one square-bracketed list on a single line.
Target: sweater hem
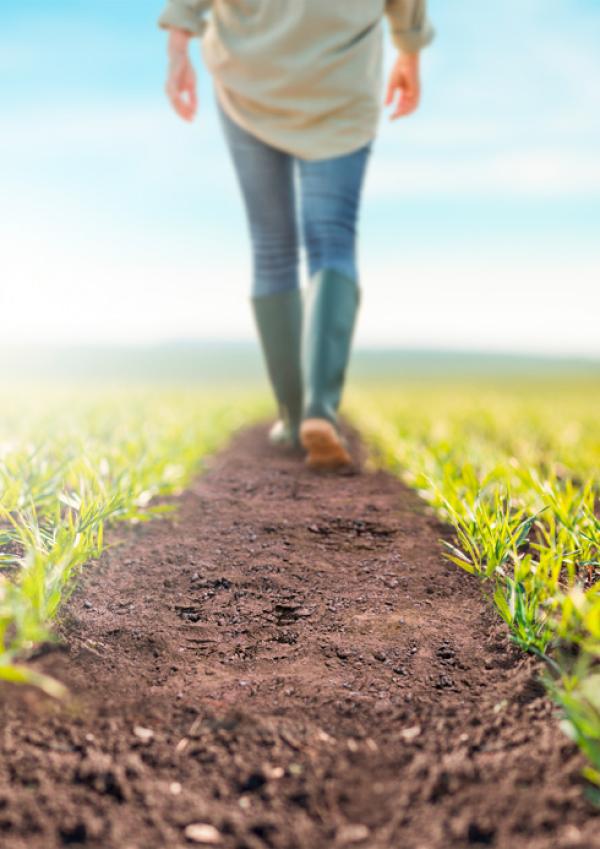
[(221, 95)]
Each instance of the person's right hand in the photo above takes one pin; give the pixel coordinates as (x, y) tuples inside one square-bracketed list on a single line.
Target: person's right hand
[(404, 88), (181, 77)]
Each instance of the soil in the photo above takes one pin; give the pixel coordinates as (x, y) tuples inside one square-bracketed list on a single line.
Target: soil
[(287, 661)]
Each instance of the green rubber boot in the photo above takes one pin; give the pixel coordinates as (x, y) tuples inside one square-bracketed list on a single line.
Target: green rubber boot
[(279, 322), (331, 306)]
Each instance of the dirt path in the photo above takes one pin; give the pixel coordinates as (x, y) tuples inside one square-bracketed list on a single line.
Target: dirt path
[(290, 661)]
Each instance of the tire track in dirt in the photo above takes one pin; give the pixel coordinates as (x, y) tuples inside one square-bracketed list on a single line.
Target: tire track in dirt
[(288, 659)]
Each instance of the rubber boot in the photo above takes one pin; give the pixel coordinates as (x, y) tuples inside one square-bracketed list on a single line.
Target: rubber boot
[(332, 301), (279, 322)]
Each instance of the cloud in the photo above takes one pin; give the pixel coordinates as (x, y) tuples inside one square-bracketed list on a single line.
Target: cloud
[(539, 174), (502, 306)]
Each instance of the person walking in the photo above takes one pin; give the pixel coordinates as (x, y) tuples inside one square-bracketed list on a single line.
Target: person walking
[(298, 87)]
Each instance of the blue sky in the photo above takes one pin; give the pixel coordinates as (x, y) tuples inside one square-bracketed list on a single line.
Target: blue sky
[(480, 218)]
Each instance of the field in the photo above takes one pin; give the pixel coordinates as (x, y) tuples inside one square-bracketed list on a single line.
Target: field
[(219, 647), (514, 469), (71, 462)]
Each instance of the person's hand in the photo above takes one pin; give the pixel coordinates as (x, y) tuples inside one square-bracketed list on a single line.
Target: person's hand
[(181, 77), (404, 87)]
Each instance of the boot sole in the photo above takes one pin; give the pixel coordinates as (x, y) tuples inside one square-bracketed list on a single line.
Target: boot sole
[(323, 445)]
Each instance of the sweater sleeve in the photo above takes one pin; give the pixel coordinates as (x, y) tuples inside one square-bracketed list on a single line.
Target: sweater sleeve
[(189, 15), (409, 25)]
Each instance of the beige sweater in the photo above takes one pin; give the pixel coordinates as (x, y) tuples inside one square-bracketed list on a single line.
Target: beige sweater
[(305, 76)]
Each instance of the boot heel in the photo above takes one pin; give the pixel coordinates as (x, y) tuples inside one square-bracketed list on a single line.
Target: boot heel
[(323, 444)]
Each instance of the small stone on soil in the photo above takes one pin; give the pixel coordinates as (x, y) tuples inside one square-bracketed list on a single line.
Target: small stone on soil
[(273, 772), (201, 832), (409, 734), (349, 834), (145, 735)]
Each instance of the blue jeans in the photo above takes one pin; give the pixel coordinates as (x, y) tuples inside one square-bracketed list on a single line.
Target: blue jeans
[(330, 195)]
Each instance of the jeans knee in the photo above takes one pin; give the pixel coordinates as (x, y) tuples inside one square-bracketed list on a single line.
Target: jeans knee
[(276, 264), (331, 245)]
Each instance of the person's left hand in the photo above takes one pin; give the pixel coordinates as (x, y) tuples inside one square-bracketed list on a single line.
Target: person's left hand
[(404, 86)]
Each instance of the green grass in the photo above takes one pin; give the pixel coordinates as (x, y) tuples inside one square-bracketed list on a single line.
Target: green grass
[(73, 461), (513, 466)]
